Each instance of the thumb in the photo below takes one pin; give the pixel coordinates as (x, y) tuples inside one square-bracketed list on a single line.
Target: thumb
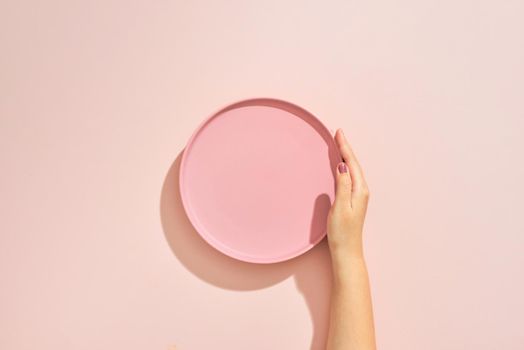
[(343, 184)]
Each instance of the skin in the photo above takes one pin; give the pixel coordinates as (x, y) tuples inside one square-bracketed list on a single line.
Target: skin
[(351, 314)]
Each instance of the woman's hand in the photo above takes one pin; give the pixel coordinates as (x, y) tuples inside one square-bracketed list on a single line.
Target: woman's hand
[(351, 317), (346, 217)]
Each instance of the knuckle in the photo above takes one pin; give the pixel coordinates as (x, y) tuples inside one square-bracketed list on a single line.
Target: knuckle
[(341, 208)]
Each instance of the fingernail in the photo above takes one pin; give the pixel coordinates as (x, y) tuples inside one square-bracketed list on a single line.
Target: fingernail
[(342, 168)]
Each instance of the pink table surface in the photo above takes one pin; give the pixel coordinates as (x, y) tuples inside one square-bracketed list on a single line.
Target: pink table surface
[(97, 99)]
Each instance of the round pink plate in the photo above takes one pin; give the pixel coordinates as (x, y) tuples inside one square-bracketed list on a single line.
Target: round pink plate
[(257, 180)]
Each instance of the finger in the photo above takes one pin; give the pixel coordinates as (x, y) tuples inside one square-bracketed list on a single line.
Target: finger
[(349, 157), (343, 183)]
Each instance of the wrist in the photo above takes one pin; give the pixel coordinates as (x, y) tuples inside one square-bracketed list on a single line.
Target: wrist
[(350, 249), (346, 263), (340, 260)]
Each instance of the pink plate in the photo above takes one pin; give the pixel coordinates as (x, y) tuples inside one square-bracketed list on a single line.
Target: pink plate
[(257, 180)]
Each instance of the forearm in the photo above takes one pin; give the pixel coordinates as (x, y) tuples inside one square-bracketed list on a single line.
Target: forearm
[(351, 319)]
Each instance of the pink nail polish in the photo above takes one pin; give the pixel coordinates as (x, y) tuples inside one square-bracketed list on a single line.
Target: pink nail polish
[(342, 168)]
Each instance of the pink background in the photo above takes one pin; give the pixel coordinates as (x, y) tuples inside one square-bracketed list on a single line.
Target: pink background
[(97, 99)]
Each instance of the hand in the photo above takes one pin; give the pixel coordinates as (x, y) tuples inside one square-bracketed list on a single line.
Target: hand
[(347, 214)]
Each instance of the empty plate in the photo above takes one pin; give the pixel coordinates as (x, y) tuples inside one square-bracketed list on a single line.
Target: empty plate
[(257, 179)]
